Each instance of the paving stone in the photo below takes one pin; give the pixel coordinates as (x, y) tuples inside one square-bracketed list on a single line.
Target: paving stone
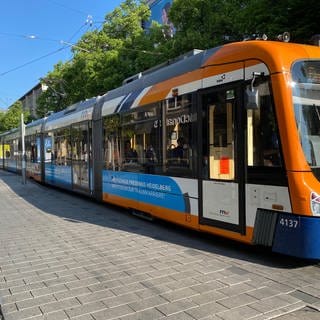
[(208, 297), (147, 303), (60, 305), (262, 293), (16, 297), (180, 316), (121, 300), (158, 281), (176, 307), (206, 310), (35, 301), (85, 309), (181, 284), (269, 304), (48, 290), (23, 314), (64, 257), (281, 287), (237, 301), (273, 314), (148, 314), (67, 280), (238, 271), (113, 313), (57, 315), (240, 313), (206, 287), (304, 296), (9, 308), (179, 294), (236, 289), (306, 312), (88, 296), (134, 287), (153, 291), (27, 287)]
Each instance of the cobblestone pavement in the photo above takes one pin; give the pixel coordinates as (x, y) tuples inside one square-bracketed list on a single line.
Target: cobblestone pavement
[(66, 257)]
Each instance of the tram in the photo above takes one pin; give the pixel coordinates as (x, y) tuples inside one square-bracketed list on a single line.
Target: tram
[(224, 141)]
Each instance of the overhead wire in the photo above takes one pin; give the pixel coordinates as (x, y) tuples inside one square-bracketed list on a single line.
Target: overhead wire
[(4, 102), (32, 61), (66, 44), (66, 7), (76, 32), (72, 8)]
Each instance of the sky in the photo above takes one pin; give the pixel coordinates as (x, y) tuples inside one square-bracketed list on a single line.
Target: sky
[(37, 34)]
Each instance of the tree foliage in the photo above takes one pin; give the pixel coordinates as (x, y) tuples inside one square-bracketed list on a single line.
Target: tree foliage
[(104, 58), (12, 117)]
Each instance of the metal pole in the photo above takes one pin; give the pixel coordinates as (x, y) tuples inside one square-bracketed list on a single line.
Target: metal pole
[(23, 171)]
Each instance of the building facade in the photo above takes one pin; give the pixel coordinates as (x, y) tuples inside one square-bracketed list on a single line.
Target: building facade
[(159, 12), (29, 100)]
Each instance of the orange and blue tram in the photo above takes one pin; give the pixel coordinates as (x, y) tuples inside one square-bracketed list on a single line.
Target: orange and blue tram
[(224, 141)]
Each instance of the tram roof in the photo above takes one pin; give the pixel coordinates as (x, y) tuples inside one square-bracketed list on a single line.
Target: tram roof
[(77, 112), (275, 54)]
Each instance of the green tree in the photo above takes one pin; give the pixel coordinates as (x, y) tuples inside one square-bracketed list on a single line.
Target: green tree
[(302, 21), (12, 117), (104, 58), (1, 121), (204, 23), (208, 23), (274, 17)]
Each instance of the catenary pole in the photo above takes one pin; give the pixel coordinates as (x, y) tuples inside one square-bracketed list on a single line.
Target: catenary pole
[(23, 171)]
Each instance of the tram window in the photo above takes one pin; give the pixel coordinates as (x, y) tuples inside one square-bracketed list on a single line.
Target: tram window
[(48, 143), (62, 147), (80, 139), (80, 151), (14, 147), (34, 152), (307, 118), (133, 141), (218, 135), (111, 142), (142, 140), (220, 126), (180, 136), (32, 148), (28, 149), (262, 134)]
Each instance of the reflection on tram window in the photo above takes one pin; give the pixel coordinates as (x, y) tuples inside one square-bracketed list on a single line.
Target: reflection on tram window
[(263, 144), (180, 136), (133, 142)]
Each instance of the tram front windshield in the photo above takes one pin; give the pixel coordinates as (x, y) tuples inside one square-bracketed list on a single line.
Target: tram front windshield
[(306, 99)]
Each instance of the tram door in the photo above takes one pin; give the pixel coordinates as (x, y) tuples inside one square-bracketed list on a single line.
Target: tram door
[(222, 184), (81, 146)]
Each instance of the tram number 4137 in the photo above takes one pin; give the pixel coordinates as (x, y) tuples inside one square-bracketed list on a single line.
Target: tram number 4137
[(289, 223)]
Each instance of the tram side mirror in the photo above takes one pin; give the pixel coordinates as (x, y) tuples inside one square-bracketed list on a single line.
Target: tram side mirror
[(252, 99)]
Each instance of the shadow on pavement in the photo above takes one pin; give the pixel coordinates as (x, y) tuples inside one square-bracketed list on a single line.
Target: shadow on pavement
[(75, 208)]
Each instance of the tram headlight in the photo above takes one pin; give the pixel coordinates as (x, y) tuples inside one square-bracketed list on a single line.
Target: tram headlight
[(315, 203)]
